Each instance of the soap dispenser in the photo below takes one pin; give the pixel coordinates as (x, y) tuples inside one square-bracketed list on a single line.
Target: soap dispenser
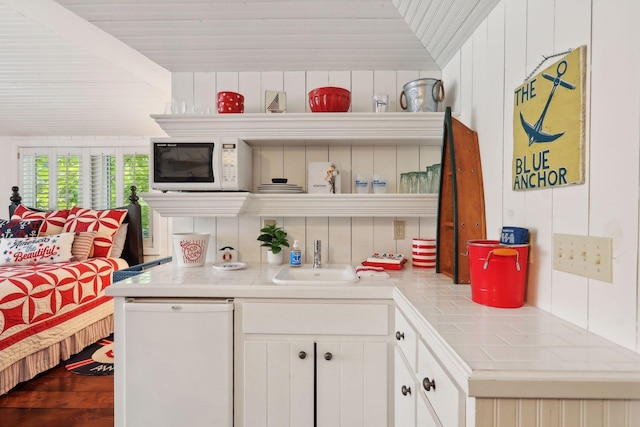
[(295, 256)]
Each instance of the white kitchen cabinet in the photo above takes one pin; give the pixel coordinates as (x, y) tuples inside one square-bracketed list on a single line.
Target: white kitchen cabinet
[(276, 389), (312, 364), (435, 398), (175, 359)]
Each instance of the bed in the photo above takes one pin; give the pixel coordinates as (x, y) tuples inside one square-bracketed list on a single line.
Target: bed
[(54, 268)]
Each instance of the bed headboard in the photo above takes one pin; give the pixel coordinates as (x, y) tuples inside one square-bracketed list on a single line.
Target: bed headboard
[(132, 251)]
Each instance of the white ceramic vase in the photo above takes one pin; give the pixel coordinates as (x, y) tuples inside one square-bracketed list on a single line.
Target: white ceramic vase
[(275, 259)]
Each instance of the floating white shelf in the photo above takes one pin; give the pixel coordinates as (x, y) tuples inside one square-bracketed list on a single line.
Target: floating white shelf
[(343, 205), (311, 128), (400, 128), (189, 204), (192, 204)]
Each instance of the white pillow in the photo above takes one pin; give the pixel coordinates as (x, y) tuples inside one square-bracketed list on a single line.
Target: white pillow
[(118, 241), (36, 250)]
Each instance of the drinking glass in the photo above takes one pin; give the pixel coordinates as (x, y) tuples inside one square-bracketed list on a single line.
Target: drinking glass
[(429, 174), (361, 183), (380, 102), (435, 178), (413, 182), (422, 182), (404, 182), (379, 183)]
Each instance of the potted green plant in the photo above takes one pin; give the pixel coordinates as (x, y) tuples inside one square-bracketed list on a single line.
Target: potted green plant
[(273, 238)]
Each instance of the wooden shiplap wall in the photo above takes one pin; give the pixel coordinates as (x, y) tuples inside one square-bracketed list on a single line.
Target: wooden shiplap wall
[(504, 49)]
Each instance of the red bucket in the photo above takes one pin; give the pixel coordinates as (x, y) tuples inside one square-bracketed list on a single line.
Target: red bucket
[(498, 273)]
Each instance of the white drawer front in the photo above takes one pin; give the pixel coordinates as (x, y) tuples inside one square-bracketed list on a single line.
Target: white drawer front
[(316, 319), (407, 339), (425, 416), (404, 393), (445, 397)]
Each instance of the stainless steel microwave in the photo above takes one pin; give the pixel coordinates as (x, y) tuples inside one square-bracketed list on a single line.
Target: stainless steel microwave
[(200, 164)]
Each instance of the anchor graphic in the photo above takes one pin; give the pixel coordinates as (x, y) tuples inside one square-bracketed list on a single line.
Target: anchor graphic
[(535, 132)]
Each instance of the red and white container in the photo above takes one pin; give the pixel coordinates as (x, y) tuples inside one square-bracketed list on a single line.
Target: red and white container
[(230, 102), (423, 253), (190, 249)]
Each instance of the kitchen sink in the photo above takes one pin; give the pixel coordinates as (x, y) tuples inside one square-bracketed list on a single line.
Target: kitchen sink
[(329, 274)]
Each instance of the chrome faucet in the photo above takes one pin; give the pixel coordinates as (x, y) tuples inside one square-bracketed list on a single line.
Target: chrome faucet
[(317, 245)]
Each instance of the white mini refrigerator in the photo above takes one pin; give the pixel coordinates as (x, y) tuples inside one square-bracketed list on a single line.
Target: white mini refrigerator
[(178, 362)]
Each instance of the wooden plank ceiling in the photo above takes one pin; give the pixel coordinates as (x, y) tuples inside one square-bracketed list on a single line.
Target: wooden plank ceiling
[(100, 67)]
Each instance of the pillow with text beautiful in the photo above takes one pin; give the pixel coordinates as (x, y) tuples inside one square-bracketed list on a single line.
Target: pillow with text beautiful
[(36, 250), (105, 223), (53, 220), (19, 228)]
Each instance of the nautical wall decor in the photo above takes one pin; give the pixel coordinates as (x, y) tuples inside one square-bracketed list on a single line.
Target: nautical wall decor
[(549, 126)]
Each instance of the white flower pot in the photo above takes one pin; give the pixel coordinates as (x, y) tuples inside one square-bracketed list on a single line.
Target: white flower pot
[(275, 259)]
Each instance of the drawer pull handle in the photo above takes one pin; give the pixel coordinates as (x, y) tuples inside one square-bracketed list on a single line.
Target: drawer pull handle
[(302, 355), (399, 335), (428, 384), (328, 356), (405, 390)]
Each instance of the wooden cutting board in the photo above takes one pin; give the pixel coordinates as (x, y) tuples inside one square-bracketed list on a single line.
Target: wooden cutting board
[(461, 213)]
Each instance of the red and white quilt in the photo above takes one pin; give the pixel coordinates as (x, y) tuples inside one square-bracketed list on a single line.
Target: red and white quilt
[(45, 300)]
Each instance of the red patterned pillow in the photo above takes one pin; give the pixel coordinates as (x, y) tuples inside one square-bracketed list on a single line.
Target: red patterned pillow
[(53, 220), (105, 223)]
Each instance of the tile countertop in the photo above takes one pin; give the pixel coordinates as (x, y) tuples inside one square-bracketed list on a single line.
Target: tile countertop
[(489, 352)]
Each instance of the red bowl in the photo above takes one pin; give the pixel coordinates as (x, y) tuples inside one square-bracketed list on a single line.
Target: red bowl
[(230, 107), (329, 100), (230, 102)]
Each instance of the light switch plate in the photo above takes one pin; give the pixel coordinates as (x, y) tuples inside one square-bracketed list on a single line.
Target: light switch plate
[(585, 256)]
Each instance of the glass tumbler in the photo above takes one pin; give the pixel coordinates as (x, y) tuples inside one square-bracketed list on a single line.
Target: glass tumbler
[(413, 182), (404, 182), (429, 174), (422, 182), (379, 183), (435, 178), (361, 183)]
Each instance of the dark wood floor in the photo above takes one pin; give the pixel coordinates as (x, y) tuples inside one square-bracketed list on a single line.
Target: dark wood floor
[(58, 398)]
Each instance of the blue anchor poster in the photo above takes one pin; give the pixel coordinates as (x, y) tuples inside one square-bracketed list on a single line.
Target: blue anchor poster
[(549, 126)]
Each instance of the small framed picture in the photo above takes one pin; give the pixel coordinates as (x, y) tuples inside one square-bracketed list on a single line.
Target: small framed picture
[(275, 101), (324, 177)]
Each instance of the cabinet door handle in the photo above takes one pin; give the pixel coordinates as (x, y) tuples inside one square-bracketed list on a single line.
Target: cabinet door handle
[(302, 355), (405, 390), (399, 335), (328, 356), (428, 384)]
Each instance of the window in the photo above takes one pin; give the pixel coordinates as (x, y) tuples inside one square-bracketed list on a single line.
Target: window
[(98, 178)]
